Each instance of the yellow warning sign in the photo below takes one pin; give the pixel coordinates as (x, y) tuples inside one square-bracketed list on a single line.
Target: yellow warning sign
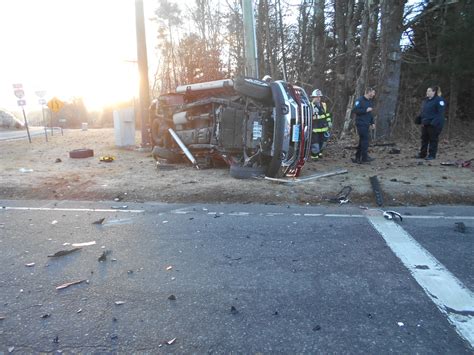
[(55, 104)]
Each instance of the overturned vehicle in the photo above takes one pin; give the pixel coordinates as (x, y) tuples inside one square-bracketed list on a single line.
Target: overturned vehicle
[(255, 127)]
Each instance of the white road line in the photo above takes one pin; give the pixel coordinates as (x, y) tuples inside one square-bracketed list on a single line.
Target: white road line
[(449, 294), (439, 217), (71, 209)]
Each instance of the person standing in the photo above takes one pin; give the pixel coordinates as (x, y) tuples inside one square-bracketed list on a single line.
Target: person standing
[(364, 121), (322, 123), (432, 122)]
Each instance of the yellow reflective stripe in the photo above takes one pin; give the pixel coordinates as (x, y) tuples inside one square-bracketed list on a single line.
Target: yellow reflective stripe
[(319, 130)]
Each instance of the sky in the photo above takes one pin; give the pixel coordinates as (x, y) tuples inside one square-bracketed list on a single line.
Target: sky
[(71, 48)]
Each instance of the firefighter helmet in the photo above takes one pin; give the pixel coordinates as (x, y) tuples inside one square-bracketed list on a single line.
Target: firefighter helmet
[(316, 93)]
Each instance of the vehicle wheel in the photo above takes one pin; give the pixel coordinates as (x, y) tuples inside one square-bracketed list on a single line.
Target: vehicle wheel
[(245, 172), (254, 88), (163, 153), (81, 153)]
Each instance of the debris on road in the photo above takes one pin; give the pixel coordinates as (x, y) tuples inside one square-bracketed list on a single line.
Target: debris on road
[(30, 264), (233, 310), (392, 214), (172, 297), (25, 170), (54, 222), (85, 244), (170, 342), (394, 151), (99, 221), (10, 349), (103, 256), (316, 328), (118, 303), (63, 252), (119, 207), (168, 268), (79, 310), (47, 315), (460, 227), (58, 160), (66, 285), (400, 324), (56, 340), (2, 317)]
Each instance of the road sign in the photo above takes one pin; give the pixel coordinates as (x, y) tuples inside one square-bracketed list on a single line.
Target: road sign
[(40, 93), (19, 93), (17, 86), (21, 102), (55, 104)]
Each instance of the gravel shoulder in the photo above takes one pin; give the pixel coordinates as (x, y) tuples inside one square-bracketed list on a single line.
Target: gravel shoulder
[(135, 176)]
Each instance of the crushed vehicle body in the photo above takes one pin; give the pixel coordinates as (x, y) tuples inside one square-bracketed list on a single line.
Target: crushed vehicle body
[(255, 127)]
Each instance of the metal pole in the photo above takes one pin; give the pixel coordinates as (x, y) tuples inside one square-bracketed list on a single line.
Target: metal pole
[(251, 60), (26, 123), (144, 91), (44, 122), (51, 120)]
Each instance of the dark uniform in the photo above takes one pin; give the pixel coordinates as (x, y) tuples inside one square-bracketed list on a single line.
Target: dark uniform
[(363, 121), (322, 122), (432, 121)]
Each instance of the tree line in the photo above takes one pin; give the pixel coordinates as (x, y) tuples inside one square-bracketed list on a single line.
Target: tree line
[(338, 46)]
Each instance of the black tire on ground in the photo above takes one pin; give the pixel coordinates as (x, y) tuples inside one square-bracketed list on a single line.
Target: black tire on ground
[(81, 153), (245, 172), (254, 88), (164, 153)]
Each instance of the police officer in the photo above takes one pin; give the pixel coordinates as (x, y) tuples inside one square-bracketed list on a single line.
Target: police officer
[(432, 121), (322, 122), (363, 108)]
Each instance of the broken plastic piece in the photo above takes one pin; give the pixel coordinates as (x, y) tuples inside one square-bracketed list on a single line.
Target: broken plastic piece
[(30, 264), (63, 252), (99, 221), (85, 244), (118, 303), (69, 284), (170, 342)]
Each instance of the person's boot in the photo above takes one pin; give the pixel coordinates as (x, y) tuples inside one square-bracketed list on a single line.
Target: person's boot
[(356, 160)]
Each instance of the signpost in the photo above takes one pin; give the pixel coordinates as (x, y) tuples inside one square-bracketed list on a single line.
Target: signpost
[(42, 102), (55, 105), (20, 93)]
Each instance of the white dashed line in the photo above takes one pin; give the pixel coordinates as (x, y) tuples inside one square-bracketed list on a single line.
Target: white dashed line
[(449, 294)]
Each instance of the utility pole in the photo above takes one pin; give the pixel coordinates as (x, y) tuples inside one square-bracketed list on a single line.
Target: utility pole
[(251, 60), (144, 92)]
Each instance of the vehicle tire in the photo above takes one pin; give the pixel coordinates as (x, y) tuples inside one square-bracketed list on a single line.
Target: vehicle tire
[(81, 153), (164, 153), (245, 172), (254, 88)]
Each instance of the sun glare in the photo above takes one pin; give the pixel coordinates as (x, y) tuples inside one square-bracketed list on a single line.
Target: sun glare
[(70, 48)]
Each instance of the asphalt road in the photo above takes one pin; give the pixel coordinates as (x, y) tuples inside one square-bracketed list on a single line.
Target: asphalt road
[(6, 135), (245, 278)]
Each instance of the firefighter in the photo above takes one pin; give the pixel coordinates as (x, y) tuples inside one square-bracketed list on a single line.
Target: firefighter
[(364, 121), (322, 123)]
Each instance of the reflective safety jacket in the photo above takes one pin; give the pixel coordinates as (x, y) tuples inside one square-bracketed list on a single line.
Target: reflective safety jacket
[(322, 119)]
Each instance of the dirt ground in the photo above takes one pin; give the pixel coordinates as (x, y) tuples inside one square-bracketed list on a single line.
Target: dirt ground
[(134, 175)]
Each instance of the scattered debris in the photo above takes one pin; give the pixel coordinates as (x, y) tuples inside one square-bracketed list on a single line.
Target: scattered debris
[(400, 324), (307, 178), (114, 336), (103, 256), (275, 313), (316, 328), (460, 227), (2, 317), (370, 316), (172, 297), (56, 340), (70, 284), (81, 153), (170, 342), (422, 267), (64, 252), (58, 160), (119, 207), (85, 244), (107, 159), (233, 310), (169, 268), (374, 181), (47, 315), (458, 163), (30, 264), (233, 259), (391, 215), (25, 170), (99, 221), (79, 310), (342, 196), (10, 349), (54, 222), (118, 303), (394, 151)]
